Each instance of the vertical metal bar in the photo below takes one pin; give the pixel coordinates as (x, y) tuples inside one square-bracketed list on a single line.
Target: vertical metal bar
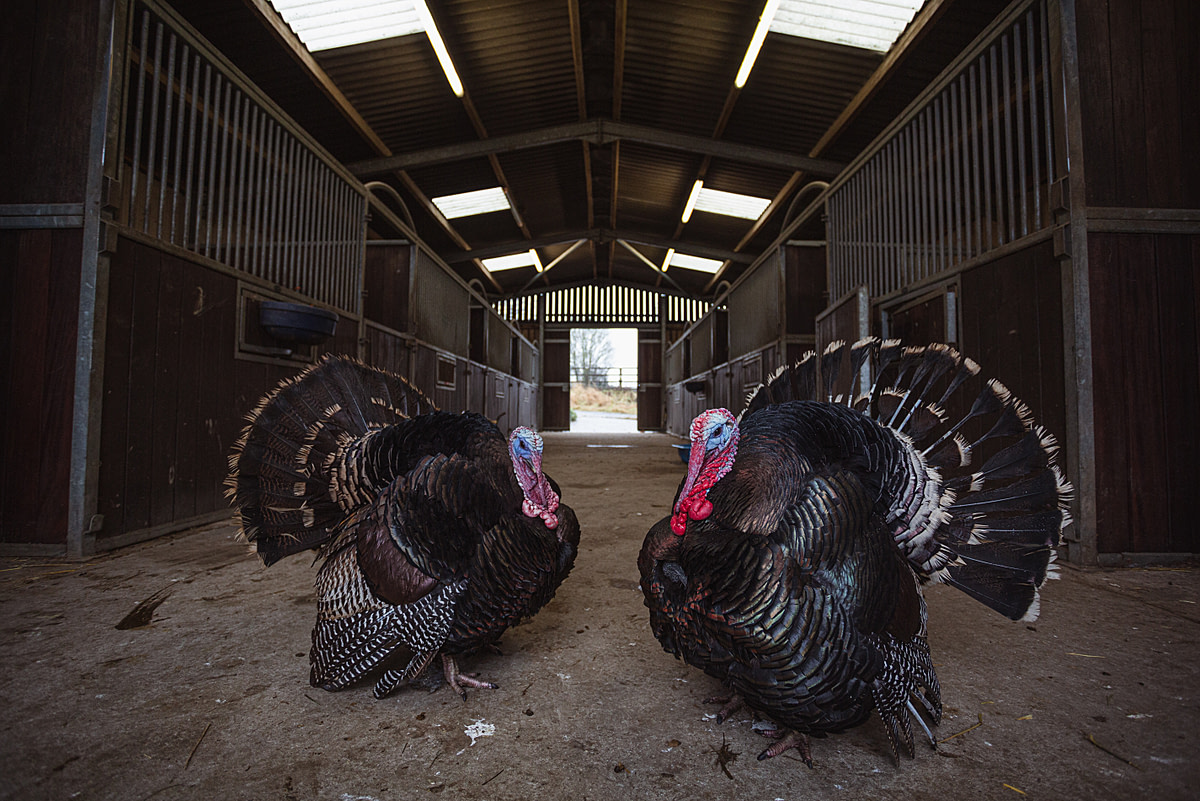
[(255, 203), (273, 225), (153, 125), (291, 209), (139, 110), (1034, 122), (237, 228), (976, 132), (328, 223), (177, 168), (926, 210), (224, 133), (964, 165), (1009, 182), (249, 255), (938, 155), (164, 172), (999, 172), (1019, 106), (958, 103), (910, 205), (191, 151), (936, 190), (306, 223), (1047, 91), (204, 189), (953, 153)]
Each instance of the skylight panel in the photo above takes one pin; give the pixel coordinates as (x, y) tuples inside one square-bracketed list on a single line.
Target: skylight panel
[(466, 204), (870, 24), (528, 258), (325, 24), (730, 204), (692, 263)]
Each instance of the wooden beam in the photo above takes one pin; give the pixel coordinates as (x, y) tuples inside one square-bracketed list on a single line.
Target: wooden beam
[(598, 131)]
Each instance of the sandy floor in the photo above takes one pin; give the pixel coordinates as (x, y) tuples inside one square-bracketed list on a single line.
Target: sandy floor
[(1099, 699)]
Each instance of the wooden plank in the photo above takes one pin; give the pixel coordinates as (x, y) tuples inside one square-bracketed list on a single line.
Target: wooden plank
[(9, 259), (1110, 430), (114, 423), (1177, 259), (188, 388), (1096, 102), (31, 325), (163, 415), (55, 415), (1161, 103), (139, 462), (1130, 169), (1147, 479)]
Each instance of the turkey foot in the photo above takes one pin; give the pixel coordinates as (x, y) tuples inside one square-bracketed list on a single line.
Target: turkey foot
[(459, 681), (785, 740), (731, 704)]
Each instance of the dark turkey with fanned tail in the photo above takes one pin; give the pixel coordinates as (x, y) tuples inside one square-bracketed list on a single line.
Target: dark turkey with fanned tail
[(790, 568), (436, 533)]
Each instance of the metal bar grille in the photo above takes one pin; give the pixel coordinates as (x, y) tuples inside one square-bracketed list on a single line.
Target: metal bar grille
[(609, 305), (214, 168), (968, 172)]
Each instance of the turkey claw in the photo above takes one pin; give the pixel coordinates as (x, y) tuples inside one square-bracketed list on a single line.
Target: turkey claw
[(791, 739), (459, 681), (731, 704)]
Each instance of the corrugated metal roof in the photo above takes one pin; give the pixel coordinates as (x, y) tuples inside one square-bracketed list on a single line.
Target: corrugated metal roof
[(541, 80)]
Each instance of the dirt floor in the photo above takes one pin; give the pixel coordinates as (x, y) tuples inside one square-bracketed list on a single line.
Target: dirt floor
[(210, 699)]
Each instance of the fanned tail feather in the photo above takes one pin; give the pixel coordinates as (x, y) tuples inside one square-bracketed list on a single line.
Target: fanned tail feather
[(994, 501), (282, 466)]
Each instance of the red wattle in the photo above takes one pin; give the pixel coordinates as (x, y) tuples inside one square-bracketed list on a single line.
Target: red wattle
[(700, 509), (679, 523)]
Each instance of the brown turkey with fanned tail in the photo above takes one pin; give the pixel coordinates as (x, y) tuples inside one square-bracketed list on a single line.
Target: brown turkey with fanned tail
[(435, 532)]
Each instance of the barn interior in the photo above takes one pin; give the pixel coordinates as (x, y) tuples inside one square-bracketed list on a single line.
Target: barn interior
[(447, 189)]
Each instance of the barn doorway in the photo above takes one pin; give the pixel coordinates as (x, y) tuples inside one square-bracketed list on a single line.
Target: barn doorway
[(604, 380)]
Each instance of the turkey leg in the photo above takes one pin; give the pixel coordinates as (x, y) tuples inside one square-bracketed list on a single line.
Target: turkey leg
[(460, 681)]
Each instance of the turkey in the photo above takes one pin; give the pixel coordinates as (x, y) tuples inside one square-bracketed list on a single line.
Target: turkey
[(791, 566), (435, 533)]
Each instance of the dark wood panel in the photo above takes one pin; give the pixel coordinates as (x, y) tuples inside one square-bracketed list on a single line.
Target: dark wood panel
[(1179, 337), (385, 283), (805, 287), (1139, 69), (556, 409), (49, 67), (40, 323), (163, 416)]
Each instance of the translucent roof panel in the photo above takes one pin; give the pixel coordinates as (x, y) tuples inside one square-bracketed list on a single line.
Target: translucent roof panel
[(694, 263), (466, 204), (869, 24), (325, 24), (730, 203), (528, 258)]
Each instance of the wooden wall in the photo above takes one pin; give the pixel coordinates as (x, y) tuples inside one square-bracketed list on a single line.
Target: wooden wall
[(1139, 68), (175, 397), (49, 66), (39, 308), (1145, 293)]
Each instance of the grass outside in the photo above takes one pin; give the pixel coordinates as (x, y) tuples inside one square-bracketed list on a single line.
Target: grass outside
[(595, 399)]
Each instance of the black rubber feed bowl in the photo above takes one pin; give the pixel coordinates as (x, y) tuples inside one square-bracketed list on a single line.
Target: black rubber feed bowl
[(684, 451), (297, 322)]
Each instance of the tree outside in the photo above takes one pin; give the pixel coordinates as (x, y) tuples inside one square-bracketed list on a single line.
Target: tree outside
[(592, 389), (591, 356)]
